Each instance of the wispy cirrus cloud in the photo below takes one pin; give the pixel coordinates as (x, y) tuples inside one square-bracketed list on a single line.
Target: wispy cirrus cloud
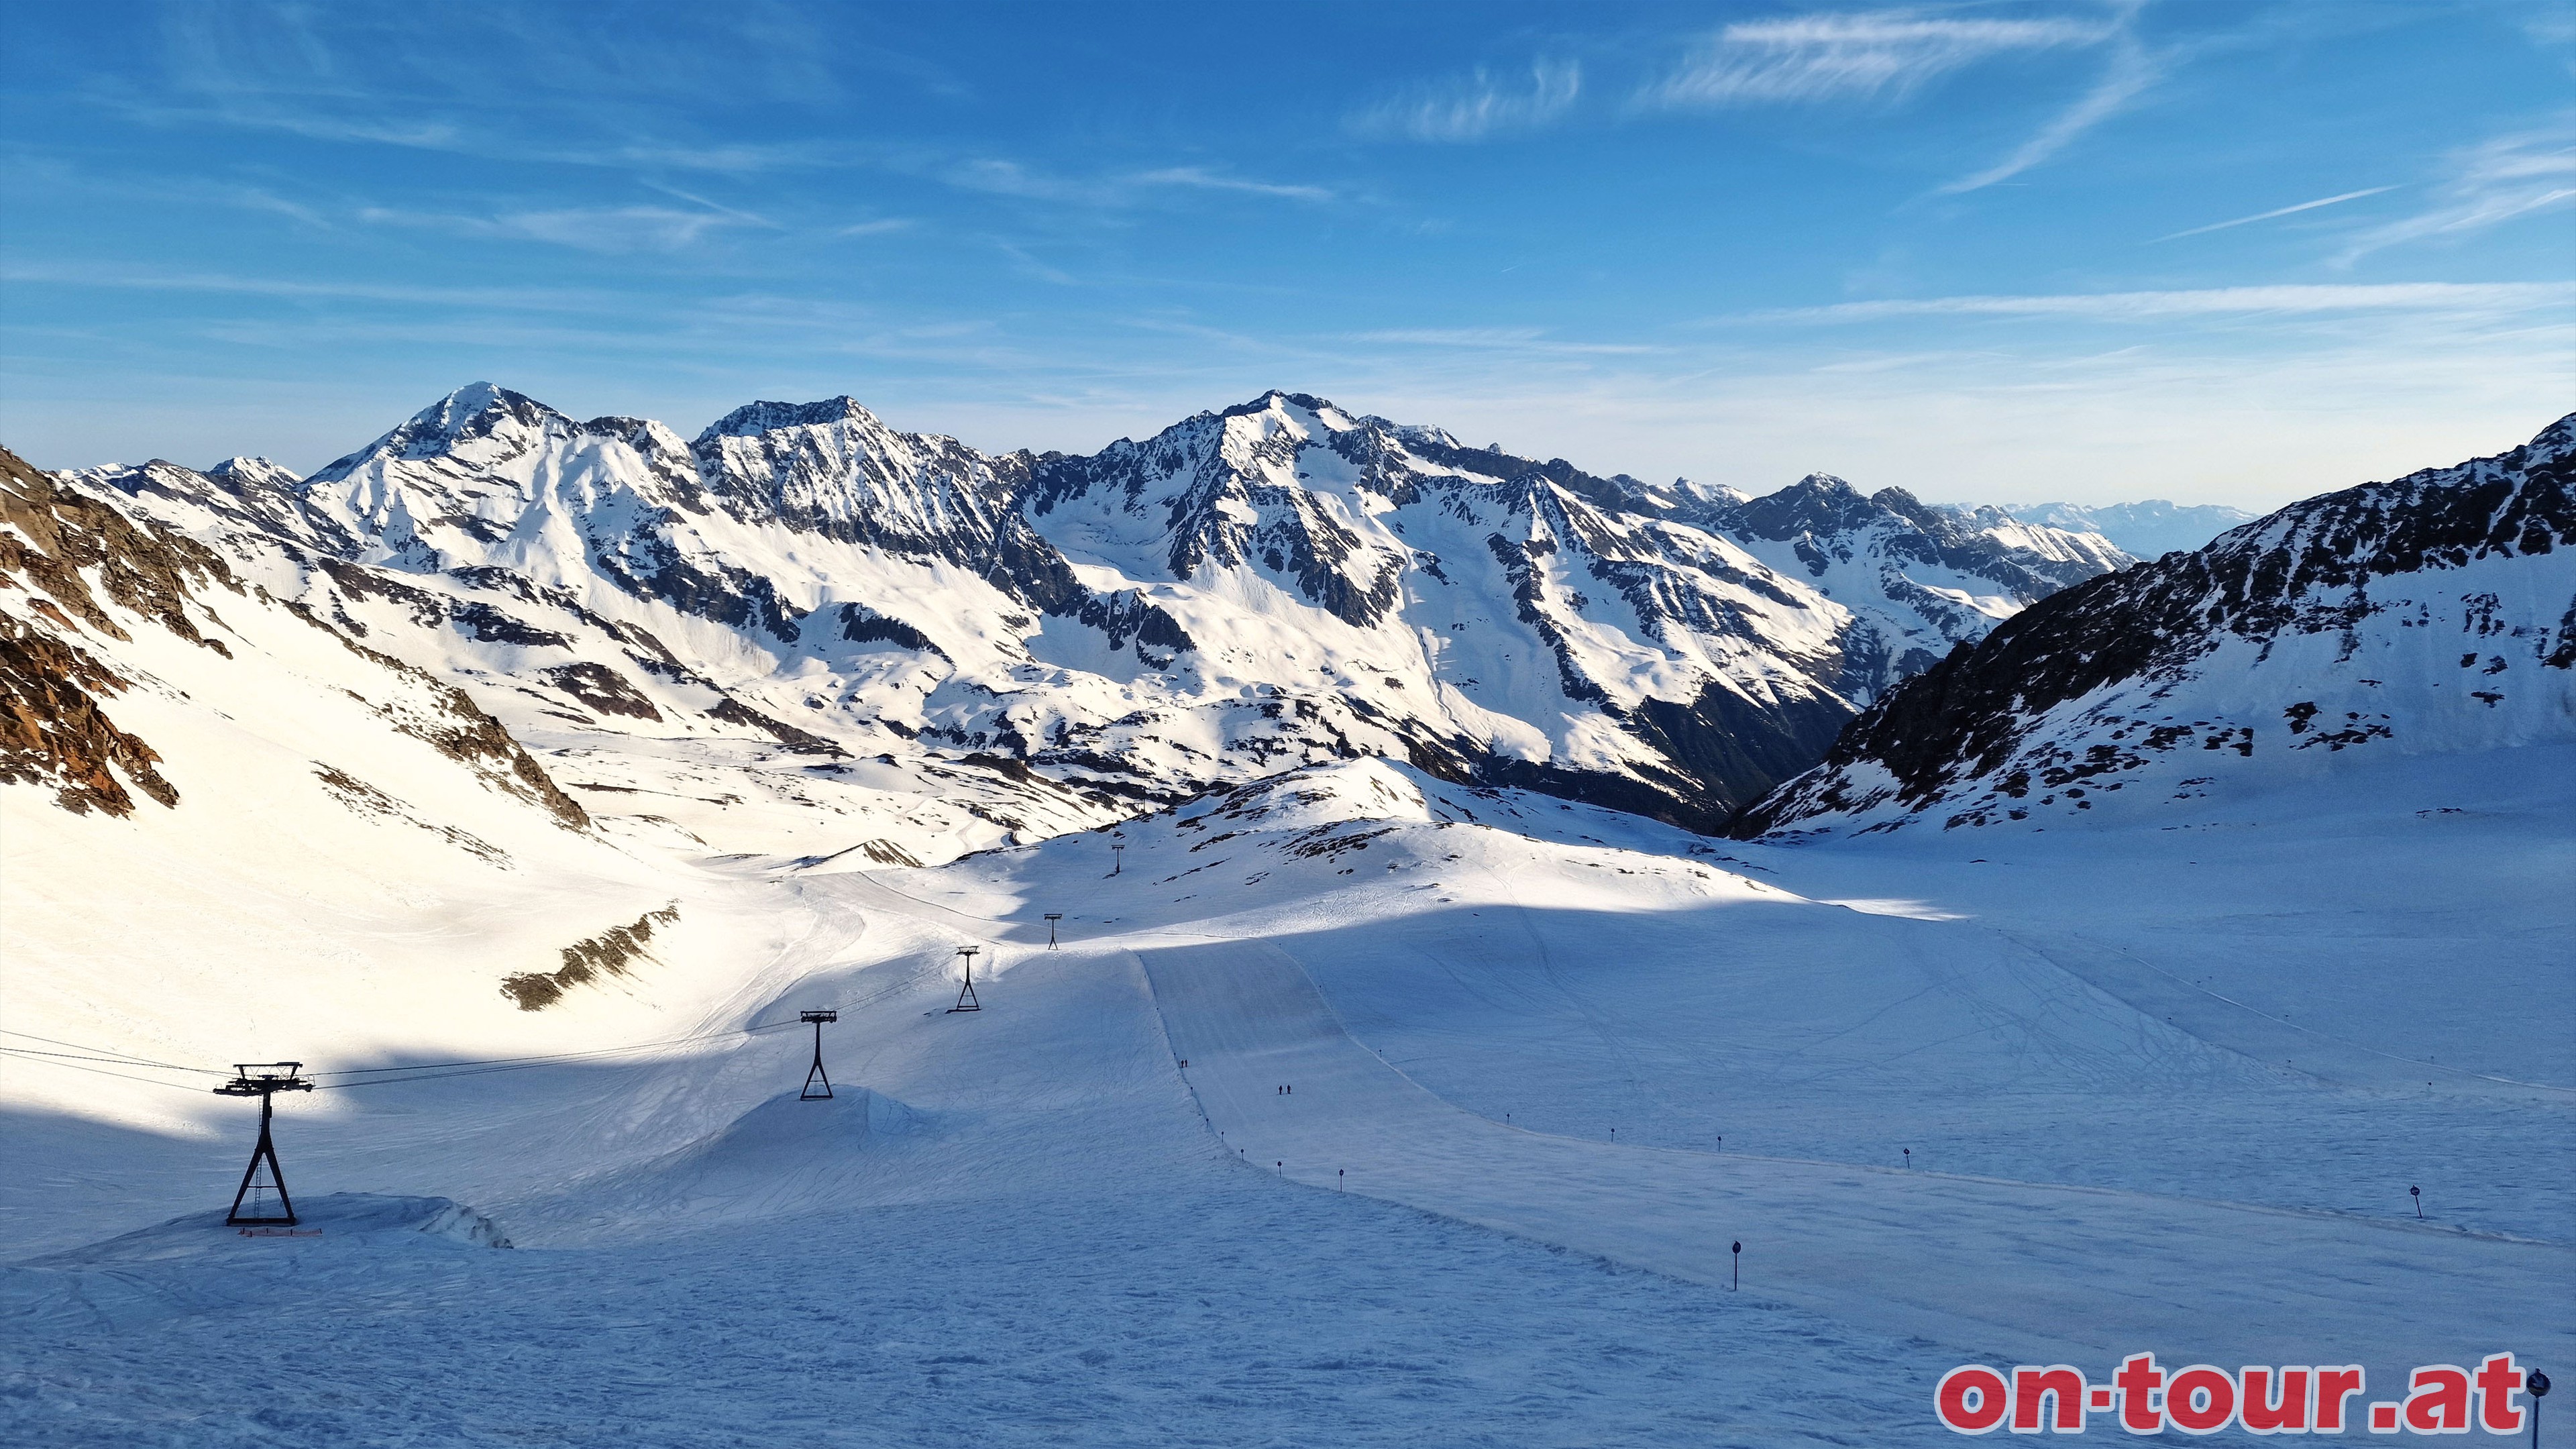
[(605, 229), (1864, 55), (1495, 339), (998, 177), (2276, 212), (2449, 297), (2494, 182), (1888, 55), (151, 279), (495, 137), (2551, 27), (1475, 106), (2131, 72), (1205, 180)]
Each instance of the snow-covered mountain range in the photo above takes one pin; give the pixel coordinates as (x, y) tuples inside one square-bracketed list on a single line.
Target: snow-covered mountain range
[(2433, 614), (804, 631)]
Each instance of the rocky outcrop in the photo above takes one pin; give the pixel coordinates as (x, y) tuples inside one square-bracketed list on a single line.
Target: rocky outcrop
[(612, 952), (65, 548), (54, 729)]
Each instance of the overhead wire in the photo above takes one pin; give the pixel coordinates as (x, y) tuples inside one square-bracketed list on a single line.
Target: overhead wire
[(122, 1061), (474, 1066), (432, 1071), (105, 1053), (75, 1066)]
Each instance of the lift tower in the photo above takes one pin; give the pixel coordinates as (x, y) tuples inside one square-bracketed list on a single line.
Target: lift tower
[(263, 1080), (966, 994), (817, 1074)]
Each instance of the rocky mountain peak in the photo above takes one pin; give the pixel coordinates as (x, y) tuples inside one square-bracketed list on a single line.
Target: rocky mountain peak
[(1912, 509), (1819, 503), (479, 425), (834, 468), (238, 472), (1277, 400), (475, 411), (754, 419)]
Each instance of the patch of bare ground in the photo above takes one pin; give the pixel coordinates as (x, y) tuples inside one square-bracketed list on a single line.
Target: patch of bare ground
[(609, 953), (366, 799)]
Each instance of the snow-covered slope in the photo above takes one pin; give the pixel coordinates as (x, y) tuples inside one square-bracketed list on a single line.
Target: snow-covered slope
[(1349, 1110), (869, 635), (217, 801), (604, 624), (2433, 614)]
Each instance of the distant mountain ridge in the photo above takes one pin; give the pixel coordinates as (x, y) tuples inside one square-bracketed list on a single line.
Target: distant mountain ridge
[(2149, 529), (2435, 613), (855, 620)]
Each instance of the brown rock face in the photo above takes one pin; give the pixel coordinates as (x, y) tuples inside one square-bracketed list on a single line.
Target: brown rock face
[(53, 534), (609, 953), (52, 730), (53, 542)]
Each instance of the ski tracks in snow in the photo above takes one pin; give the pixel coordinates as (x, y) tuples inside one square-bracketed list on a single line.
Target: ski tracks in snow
[(2024, 1270)]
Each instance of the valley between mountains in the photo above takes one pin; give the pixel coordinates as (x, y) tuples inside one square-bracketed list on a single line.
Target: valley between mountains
[(1483, 891)]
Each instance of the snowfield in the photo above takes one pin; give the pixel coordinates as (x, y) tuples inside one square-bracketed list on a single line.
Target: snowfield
[(2166, 1074)]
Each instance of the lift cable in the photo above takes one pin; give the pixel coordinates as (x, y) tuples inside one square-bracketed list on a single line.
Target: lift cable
[(422, 1071), (104, 1072), (121, 1061), (108, 1053), (426, 1071)]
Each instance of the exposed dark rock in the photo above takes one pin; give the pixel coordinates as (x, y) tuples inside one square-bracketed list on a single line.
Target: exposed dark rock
[(602, 689), (863, 625), (735, 712), (52, 731), (1129, 614), (610, 953), (144, 570)]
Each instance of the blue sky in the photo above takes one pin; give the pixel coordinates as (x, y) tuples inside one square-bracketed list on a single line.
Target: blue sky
[(2232, 252)]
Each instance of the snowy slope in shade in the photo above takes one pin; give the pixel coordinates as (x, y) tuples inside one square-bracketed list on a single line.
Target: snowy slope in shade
[(1540, 1025), (2432, 614)]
